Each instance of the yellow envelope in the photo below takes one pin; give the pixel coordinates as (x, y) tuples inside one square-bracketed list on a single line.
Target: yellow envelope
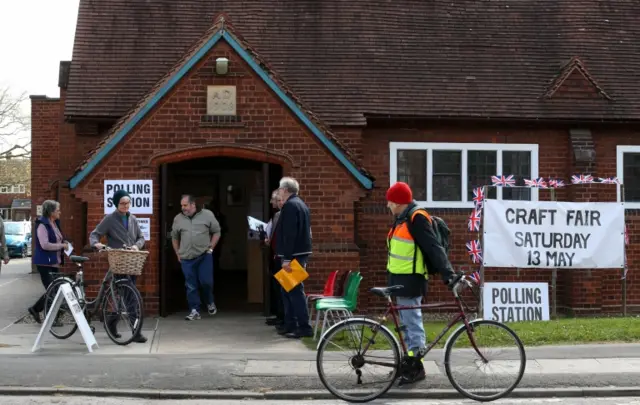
[(289, 280)]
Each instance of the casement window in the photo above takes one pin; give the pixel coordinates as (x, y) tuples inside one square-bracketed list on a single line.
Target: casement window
[(15, 189), (443, 175), (628, 172)]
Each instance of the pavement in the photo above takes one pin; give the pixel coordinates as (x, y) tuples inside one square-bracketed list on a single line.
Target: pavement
[(235, 356)]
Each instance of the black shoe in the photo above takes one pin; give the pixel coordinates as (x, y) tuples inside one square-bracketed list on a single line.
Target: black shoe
[(412, 372), (273, 321), (283, 330), (299, 334), (140, 339), (35, 315), (112, 325)]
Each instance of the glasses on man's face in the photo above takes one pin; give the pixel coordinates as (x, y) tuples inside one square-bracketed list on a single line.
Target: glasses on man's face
[(124, 204)]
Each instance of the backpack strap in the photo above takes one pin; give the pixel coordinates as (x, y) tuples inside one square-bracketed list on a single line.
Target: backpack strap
[(412, 214)]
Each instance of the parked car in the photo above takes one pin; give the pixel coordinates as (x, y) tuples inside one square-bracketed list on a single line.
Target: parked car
[(18, 236)]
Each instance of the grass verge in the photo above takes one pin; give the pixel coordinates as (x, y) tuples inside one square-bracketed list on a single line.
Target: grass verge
[(568, 331)]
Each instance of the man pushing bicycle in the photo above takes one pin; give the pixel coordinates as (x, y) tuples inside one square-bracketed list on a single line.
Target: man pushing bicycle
[(410, 267)]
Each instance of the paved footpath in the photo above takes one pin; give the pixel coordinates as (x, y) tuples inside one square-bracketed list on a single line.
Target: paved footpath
[(18, 290)]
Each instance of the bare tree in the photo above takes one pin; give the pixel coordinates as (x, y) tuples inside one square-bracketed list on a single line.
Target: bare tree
[(13, 123)]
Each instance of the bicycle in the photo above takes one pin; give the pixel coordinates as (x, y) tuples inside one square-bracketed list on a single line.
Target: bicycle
[(355, 328), (117, 298)]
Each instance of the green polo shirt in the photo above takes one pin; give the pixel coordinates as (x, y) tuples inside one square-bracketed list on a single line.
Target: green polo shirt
[(194, 233)]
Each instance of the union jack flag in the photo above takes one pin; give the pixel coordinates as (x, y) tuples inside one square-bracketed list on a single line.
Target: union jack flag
[(474, 220), (609, 180), (475, 251), (478, 197), (538, 183), (475, 276), (626, 268), (626, 235), (582, 179), (555, 183), (507, 181)]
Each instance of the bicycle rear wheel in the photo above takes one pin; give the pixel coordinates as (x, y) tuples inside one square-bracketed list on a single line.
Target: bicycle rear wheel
[(492, 339), (382, 358), (122, 312), (64, 324)]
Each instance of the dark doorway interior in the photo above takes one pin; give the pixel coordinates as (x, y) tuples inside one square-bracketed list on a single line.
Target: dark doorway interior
[(233, 189)]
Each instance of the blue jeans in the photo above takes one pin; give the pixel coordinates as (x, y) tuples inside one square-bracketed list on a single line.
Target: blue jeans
[(198, 274), (411, 323), (296, 313)]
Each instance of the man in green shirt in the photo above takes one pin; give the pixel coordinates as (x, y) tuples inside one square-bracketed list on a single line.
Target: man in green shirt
[(195, 233)]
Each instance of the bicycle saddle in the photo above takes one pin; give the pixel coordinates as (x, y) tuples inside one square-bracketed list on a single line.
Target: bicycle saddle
[(78, 259), (384, 292)]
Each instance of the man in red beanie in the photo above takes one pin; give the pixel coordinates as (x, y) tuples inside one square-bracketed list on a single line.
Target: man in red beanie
[(413, 248)]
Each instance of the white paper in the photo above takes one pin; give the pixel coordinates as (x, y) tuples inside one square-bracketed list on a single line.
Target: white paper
[(69, 250)]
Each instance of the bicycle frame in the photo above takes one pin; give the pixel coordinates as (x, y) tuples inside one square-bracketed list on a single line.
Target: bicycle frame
[(394, 311), (92, 305)]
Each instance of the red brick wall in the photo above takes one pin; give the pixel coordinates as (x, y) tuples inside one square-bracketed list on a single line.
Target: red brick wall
[(325, 185), (579, 291), (45, 141)]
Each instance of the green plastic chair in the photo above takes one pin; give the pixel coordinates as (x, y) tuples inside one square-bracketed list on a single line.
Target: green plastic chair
[(339, 306)]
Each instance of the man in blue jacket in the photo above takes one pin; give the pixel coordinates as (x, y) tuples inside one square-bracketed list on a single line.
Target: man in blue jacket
[(293, 241)]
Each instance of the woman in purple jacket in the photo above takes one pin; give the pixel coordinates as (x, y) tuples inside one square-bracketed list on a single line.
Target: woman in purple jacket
[(49, 250)]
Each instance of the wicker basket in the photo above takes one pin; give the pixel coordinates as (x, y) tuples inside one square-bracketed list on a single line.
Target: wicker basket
[(129, 262)]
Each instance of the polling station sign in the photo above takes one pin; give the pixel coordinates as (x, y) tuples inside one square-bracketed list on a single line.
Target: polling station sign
[(141, 192), (516, 302), (549, 234)]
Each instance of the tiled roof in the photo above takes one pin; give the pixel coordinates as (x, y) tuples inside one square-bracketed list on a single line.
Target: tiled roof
[(350, 58), (222, 29)]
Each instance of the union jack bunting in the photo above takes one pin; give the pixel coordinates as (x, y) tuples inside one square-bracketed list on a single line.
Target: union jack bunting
[(475, 276), (582, 179), (626, 235), (475, 251), (478, 197), (609, 180), (474, 220), (538, 183), (503, 181), (555, 183)]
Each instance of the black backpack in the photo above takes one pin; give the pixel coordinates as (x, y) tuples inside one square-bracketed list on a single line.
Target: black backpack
[(440, 228)]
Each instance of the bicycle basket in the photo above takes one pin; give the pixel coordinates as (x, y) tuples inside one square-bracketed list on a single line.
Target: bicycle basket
[(128, 262)]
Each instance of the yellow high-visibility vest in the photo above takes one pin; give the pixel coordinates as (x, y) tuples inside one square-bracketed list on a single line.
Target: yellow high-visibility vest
[(404, 256)]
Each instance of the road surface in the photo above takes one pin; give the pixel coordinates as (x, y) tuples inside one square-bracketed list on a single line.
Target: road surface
[(71, 400), (19, 289)]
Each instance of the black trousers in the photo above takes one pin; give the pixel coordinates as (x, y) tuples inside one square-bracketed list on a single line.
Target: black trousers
[(47, 278), (275, 300)]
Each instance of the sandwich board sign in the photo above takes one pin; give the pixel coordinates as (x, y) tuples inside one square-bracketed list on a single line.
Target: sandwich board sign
[(65, 293)]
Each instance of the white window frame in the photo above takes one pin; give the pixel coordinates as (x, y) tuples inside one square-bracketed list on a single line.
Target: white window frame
[(429, 147), (620, 151)]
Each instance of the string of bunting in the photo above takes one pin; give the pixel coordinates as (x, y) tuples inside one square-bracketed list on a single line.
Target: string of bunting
[(474, 247)]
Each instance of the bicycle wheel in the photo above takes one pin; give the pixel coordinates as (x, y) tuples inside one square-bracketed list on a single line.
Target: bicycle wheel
[(382, 357), (490, 338), (64, 324), (122, 312)]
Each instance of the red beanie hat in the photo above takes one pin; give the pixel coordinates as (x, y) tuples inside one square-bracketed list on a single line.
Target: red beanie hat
[(400, 193)]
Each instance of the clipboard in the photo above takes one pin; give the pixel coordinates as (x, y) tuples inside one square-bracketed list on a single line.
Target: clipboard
[(289, 281)]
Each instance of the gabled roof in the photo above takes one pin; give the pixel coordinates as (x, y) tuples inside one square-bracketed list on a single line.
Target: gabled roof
[(575, 65), (350, 58), (220, 30)]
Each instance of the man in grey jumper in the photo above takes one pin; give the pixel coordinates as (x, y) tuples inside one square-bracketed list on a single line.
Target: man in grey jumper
[(121, 229)]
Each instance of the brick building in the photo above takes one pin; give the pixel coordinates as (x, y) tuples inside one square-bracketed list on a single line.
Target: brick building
[(221, 98), (15, 189)]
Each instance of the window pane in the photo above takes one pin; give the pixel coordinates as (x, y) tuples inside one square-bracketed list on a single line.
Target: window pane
[(481, 165), (518, 164), (447, 171), (412, 169), (631, 176)]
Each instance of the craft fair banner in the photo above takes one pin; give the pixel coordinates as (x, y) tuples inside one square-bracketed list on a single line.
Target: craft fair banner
[(549, 234)]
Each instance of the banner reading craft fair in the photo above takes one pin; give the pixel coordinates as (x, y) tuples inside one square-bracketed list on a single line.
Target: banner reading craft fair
[(549, 234), (141, 192)]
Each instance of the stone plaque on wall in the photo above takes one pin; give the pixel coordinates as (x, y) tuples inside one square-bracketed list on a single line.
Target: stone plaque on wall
[(221, 100)]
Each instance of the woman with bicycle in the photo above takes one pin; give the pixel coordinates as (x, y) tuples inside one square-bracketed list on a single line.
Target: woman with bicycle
[(121, 229), (48, 255)]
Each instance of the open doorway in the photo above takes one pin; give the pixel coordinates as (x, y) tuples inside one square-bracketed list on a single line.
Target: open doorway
[(233, 189)]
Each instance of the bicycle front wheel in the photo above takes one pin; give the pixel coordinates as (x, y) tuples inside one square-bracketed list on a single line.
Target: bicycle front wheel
[(122, 312), (499, 352), (351, 373), (64, 324)]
